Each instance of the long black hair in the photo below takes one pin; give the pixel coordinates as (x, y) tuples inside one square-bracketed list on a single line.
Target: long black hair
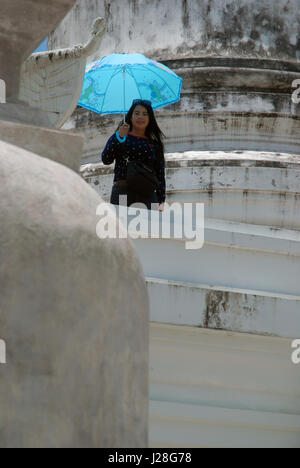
[(153, 132)]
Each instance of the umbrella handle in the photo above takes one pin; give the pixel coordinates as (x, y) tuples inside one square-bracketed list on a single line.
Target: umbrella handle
[(124, 78)]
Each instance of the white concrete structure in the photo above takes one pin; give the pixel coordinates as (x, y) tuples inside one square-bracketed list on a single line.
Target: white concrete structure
[(223, 318), (219, 389), (238, 61), (52, 81), (246, 276), (76, 371), (237, 387)]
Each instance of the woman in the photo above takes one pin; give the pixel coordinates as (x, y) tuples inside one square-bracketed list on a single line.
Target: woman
[(139, 138)]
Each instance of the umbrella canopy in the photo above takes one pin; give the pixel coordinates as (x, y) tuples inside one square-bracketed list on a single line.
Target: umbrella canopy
[(112, 83)]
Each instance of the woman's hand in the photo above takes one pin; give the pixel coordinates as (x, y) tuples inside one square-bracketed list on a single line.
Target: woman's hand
[(124, 130), (161, 207)]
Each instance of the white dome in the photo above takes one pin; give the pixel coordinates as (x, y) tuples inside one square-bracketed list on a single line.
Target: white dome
[(70, 308)]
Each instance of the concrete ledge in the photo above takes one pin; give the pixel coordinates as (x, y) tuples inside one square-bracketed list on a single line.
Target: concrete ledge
[(61, 147), (173, 423), (230, 389), (217, 231), (252, 237), (239, 186), (225, 128), (234, 255), (215, 307)]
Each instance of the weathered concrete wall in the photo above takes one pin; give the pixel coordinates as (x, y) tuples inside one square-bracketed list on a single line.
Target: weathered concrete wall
[(242, 310), (245, 278), (234, 58), (216, 286), (168, 29), (200, 131), (248, 187)]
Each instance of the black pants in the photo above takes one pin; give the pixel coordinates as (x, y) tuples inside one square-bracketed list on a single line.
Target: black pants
[(132, 197)]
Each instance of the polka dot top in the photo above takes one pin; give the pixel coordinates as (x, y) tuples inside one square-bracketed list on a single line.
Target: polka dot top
[(136, 148)]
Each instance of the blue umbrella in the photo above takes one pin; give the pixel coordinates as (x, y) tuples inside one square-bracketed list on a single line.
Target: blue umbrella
[(112, 83)]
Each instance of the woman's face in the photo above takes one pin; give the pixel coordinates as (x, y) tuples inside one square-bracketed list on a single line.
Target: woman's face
[(140, 118)]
